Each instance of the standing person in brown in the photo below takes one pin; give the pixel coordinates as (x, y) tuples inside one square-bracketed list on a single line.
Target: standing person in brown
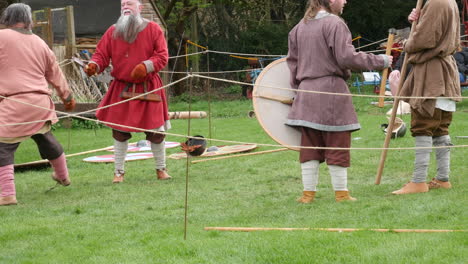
[(321, 57), (435, 39)]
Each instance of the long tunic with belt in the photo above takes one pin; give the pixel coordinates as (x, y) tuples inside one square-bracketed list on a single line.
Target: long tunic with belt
[(149, 47), (27, 66), (320, 58), (434, 73)]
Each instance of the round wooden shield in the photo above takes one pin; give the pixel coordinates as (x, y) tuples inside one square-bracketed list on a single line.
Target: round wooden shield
[(273, 105), (129, 157), (133, 147)]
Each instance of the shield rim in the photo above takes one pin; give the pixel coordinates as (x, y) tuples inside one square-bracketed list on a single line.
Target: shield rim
[(255, 102)]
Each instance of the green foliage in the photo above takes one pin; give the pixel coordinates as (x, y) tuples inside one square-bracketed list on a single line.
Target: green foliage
[(185, 98), (77, 123), (373, 18), (234, 89)]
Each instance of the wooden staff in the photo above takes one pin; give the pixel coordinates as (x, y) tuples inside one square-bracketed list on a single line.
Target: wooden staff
[(383, 80), (187, 115), (39, 162), (278, 98), (252, 229), (241, 155), (395, 107)]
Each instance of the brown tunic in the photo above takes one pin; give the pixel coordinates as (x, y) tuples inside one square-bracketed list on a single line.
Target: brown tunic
[(320, 58), (434, 39)]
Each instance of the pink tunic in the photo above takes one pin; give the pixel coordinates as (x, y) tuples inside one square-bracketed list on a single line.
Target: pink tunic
[(27, 65), (150, 45)]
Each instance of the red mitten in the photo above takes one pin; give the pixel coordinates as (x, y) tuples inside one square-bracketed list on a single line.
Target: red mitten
[(139, 72), (69, 105), (90, 69)]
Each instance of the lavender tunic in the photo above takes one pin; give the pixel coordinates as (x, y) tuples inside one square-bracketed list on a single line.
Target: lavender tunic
[(320, 58)]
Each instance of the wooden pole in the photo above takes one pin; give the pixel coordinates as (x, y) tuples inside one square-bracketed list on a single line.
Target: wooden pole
[(187, 115), (38, 162), (252, 229), (210, 124), (383, 80), (187, 165), (50, 32), (278, 98), (241, 155), (70, 41), (394, 109)]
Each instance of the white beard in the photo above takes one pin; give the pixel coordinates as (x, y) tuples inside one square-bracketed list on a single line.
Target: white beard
[(128, 27)]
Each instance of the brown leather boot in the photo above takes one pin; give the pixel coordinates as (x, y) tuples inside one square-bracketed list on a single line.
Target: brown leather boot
[(63, 182), (341, 196), (118, 179), (413, 187), (307, 197), (436, 184), (8, 200), (162, 174)]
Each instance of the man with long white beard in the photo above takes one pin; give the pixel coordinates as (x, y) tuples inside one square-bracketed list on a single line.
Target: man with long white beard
[(138, 51)]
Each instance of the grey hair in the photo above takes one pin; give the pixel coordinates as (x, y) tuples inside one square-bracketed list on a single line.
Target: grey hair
[(17, 13)]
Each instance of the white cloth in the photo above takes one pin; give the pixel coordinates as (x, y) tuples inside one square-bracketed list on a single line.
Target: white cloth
[(445, 104), (120, 152), (159, 154), (339, 176), (310, 174)]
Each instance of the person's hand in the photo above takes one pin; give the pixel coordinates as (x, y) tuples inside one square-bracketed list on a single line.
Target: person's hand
[(414, 15), (394, 79), (188, 148), (390, 60), (139, 72), (90, 69), (69, 104)]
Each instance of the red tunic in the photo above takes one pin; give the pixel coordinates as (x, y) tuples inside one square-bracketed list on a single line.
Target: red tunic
[(149, 45)]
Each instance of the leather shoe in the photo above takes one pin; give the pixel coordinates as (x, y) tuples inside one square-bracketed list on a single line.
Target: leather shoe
[(8, 200), (162, 174), (118, 178), (436, 184), (412, 187), (63, 182)]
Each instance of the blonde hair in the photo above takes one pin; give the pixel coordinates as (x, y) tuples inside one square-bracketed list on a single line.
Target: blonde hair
[(314, 6)]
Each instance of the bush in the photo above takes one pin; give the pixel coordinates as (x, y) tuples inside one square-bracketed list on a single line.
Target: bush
[(234, 89)]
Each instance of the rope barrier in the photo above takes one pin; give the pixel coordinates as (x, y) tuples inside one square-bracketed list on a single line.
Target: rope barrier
[(370, 44), (216, 72), (382, 50), (66, 115), (187, 55), (244, 54), (327, 93)]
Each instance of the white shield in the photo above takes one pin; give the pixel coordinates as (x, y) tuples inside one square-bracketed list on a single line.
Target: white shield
[(272, 105)]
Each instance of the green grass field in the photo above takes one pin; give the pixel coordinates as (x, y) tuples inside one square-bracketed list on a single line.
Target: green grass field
[(142, 220)]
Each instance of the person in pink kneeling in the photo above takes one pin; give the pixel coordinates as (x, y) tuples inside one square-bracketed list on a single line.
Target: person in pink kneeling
[(27, 67)]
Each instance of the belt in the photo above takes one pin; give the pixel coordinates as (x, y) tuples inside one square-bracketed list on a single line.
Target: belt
[(126, 94)]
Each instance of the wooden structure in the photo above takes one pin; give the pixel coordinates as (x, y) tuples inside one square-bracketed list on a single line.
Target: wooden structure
[(89, 18), (69, 26)]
